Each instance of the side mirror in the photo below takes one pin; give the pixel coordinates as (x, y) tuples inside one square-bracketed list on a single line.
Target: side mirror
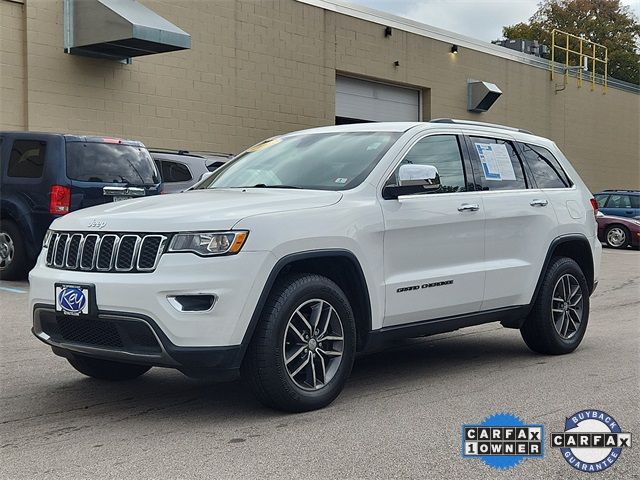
[(413, 179), (203, 177)]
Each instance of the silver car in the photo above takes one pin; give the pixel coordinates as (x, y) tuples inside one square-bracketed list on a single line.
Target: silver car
[(180, 169)]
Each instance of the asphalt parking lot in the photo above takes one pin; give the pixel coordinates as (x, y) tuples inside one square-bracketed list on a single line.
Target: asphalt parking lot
[(399, 417)]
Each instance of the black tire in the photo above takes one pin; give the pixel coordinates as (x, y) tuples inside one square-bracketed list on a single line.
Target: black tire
[(622, 238), (106, 369), (540, 331), (14, 264), (264, 367)]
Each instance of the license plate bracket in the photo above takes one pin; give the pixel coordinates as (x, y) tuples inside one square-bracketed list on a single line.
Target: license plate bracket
[(75, 299)]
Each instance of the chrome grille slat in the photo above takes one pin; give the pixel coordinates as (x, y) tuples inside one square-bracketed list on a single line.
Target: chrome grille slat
[(73, 251), (123, 262), (51, 248), (105, 252), (89, 250), (61, 248), (156, 243)]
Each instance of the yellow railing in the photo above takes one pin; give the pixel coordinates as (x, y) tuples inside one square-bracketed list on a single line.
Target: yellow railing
[(586, 51)]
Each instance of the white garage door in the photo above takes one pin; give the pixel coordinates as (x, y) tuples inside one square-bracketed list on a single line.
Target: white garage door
[(363, 100)]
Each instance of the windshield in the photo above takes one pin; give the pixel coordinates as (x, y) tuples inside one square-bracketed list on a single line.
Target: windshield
[(110, 163), (316, 161)]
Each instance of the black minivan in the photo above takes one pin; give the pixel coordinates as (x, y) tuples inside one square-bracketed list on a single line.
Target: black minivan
[(45, 175)]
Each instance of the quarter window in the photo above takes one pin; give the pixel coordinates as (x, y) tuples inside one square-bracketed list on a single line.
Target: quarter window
[(442, 152), (26, 159), (545, 168), (601, 199), (175, 172), (498, 164)]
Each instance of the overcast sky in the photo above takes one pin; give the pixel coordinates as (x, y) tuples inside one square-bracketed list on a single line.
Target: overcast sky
[(482, 19)]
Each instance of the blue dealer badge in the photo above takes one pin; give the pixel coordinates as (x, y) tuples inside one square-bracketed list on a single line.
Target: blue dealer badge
[(72, 299), (592, 440), (502, 441)]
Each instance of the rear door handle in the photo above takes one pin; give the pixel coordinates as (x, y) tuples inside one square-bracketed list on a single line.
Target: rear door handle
[(469, 207), (539, 203)]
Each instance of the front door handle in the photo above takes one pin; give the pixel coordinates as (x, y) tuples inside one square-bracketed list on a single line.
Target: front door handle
[(539, 203), (469, 207)]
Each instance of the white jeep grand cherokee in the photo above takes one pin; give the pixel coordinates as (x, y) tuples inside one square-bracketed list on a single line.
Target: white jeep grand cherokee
[(314, 245)]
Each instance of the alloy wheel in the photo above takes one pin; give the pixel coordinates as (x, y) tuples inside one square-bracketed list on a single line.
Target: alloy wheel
[(313, 344), (7, 250), (566, 306)]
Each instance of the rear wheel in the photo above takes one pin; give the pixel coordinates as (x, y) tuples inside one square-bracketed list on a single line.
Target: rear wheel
[(303, 349), (617, 236), (13, 257), (558, 320), (106, 369)]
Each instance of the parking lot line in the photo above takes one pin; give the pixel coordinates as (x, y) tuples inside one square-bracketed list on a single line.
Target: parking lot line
[(12, 290)]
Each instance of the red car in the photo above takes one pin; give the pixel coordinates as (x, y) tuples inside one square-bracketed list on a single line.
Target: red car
[(618, 232)]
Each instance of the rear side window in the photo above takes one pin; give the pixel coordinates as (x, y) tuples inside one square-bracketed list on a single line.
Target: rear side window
[(498, 164), (619, 201), (26, 159), (110, 163), (545, 168), (174, 172), (635, 201)]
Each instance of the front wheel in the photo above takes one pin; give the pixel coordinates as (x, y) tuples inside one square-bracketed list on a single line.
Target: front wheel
[(303, 348), (558, 319), (106, 369)]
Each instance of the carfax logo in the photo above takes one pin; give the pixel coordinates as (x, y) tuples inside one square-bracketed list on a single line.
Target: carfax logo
[(502, 441), (592, 440)]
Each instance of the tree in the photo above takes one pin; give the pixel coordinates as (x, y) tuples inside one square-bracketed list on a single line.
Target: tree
[(606, 22)]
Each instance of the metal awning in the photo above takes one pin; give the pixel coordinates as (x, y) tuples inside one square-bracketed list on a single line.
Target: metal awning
[(119, 29)]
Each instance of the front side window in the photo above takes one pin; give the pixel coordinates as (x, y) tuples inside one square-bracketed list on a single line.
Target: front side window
[(110, 163), (498, 164), (316, 161), (26, 159), (442, 152), (545, 168)]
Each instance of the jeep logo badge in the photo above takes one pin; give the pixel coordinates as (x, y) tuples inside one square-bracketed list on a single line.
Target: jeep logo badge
[(97, 224)]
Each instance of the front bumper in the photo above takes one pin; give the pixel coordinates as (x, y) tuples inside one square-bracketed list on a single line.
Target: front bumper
[(236, 282), (131, 338)]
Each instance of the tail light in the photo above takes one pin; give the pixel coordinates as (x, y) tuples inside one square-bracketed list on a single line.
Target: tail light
[(594, 205), (59, 199)]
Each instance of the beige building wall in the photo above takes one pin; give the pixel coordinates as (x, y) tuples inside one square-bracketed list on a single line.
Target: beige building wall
[(12, 66), (263, 67)]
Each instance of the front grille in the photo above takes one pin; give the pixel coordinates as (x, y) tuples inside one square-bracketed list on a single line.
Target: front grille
[(106, 252), (124, 335)]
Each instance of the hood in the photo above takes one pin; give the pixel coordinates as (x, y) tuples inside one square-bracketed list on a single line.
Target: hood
[(215, 209)]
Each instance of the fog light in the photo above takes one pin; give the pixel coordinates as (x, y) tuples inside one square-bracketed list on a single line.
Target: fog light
[(199, 302)]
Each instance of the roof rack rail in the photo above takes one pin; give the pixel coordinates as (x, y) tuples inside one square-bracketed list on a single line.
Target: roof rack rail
[(478, 124), (620, 190), (198, 153)]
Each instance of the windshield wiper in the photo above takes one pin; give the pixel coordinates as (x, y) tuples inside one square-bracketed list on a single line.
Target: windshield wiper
[(262, 185)]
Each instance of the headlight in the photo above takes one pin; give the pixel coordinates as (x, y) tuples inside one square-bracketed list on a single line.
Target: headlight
[(209, 243), (47, 239)]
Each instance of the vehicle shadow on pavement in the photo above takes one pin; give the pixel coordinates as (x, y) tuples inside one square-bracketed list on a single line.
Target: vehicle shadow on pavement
[(164, 393)]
